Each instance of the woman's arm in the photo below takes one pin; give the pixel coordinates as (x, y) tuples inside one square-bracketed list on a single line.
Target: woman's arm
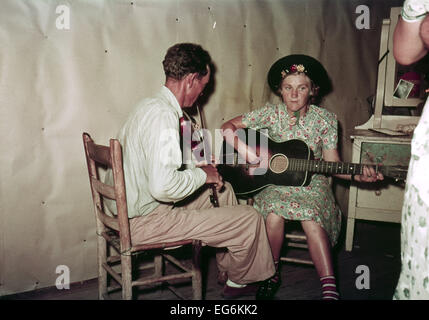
[(229, 128), (368, 175), (408, 46)]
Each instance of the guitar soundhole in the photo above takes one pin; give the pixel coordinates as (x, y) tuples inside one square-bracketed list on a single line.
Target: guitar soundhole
[(279, 163)]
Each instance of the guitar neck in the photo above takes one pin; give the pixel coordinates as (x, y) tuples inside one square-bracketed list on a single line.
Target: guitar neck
[(319, 166)]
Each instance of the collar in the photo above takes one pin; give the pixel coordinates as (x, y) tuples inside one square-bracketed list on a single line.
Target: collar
[(166, 94)]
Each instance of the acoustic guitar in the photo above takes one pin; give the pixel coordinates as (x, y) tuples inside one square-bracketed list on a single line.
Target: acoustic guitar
[(289, 163)]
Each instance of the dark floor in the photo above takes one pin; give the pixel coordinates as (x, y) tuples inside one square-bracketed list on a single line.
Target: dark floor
[(376, 245)]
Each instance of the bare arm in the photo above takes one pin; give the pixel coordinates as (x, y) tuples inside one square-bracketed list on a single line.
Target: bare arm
[(408, 46), (368, 175), (229, 128)]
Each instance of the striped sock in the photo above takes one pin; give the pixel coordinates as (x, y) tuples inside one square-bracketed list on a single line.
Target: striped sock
[(329, 288)]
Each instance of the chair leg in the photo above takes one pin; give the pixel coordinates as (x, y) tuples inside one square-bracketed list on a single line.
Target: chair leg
[(158, 264), (127, 289), (350, 233), (102, 273), (196, 278)]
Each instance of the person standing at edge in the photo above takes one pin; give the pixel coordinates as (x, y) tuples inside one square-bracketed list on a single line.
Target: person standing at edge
[(410, 44)]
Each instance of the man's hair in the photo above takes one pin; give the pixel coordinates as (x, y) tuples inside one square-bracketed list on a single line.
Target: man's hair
[(184, 58)]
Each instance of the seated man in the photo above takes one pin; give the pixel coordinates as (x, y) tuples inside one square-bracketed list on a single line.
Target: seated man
[(168, 204)]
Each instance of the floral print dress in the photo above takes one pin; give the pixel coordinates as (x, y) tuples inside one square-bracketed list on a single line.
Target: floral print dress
[(414, 279), (316, 202)]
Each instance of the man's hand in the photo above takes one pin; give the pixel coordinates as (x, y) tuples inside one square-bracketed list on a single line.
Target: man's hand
[(213, 176), (369, 175)]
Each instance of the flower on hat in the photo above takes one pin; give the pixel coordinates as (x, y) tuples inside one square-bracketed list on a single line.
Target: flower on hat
[(292, 69), (300, 68)]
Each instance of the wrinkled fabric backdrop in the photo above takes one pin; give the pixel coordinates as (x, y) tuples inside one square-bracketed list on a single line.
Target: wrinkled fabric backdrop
[(56, 83)]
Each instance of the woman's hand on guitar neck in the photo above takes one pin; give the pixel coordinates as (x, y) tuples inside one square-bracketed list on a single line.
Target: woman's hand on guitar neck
[(369, 175), (213, 176)]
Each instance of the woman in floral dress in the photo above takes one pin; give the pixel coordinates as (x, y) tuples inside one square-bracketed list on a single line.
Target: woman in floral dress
[(298, 79)]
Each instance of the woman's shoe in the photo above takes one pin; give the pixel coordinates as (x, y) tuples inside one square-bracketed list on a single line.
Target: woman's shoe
[(269, 287)]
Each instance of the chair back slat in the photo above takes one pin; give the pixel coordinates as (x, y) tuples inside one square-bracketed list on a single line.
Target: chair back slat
[(109, 221), (100, 154), (103, 189), (110, 156)]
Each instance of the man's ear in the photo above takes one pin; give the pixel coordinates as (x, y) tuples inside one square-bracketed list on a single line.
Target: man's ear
[(190, 79)]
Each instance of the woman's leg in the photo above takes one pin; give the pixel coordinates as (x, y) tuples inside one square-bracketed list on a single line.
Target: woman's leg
[(320, 251), (274, 225), (319, 247), (275, 231)]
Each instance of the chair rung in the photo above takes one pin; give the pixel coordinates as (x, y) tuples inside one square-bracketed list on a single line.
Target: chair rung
[(104, 189), (140, 282), (113, 259), (106, 296), (113, 288), (296, 236), (297, 260), (148, 265), (113, 273), (297, 245), (176, 262), (113, 240), (172, 289), (170, 245)]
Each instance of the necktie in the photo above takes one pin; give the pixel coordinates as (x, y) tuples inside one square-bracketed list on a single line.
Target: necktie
[(187, 135)]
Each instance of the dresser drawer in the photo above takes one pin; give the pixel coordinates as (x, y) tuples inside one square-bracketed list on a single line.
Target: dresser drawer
[(386, 194)]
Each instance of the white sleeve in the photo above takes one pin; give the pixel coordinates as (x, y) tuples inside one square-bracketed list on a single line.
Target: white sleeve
[(164, 158)]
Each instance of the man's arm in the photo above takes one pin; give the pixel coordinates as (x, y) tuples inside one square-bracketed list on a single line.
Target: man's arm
[(164, 159)]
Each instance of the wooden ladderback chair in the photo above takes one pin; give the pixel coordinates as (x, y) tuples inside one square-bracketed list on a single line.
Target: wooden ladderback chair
[(114, 245)]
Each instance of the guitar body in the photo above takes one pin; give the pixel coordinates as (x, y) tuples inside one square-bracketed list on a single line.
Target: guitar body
[(246, 182)]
